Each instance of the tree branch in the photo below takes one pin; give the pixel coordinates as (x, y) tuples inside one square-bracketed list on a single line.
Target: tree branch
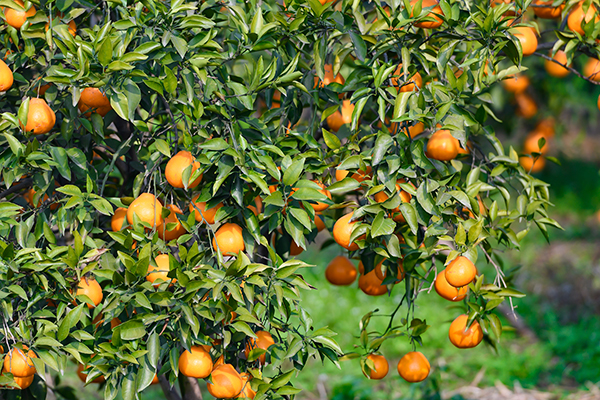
[(168, 390), (573, 70), (192, 389), (22, 184)]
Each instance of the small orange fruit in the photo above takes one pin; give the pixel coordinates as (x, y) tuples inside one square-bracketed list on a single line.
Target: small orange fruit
[(341, 117), (263, 340), (196, 363), (460, 272), (359, 176), (25, 382), (516, 83), (370, 283), (526, 106), (320, 206), (18, 363), (93, 100), (328, 78), (319, 222), (147, 208), (442, 146), (432, 14), (42, 89), (201, 213), (30, 195), (381, 272), (532, 166), (118, 219), (159, 271), (259, 206), (553, 68), (528, 39), (40, 118), (577, 17), (247, 392), (228, 239), (546, 10), (462, 337), (342, 230), (381, 366), (92, 289), (414, 367), (83, 376), (177, 231), (295, 249), (591, 69), (404, 83), (340, 271), (405, 197), (16, 18), (175, 167), (532, 141), (447, 291), (6, 77), (226, 382)]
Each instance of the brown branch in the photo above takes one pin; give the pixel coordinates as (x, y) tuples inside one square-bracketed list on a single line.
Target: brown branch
[(517, 322), (15, 188), (192, 389), (168, 390), (120, 164), (573, 70)]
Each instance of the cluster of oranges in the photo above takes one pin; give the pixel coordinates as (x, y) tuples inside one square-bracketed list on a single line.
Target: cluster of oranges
[(19, 363)]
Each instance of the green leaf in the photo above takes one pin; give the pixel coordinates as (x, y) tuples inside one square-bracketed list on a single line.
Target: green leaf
[(382, 225), (132, 330), (291, 174), (70, 321), (105, 52), (331, 140)]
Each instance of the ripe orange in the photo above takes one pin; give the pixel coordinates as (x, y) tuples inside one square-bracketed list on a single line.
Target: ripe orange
[(340, 271), (147, 208), (93, 100), (381, 366), (263, 340), (18, 363), (591, 69), (320, 206), (405, 197), (577, 17), (341, 117), (247, 392), (381, 272), (547, 11), (83, 376), (200, 211), (532, 166), (328, 78), (159, 271), (319, 222), (42, 89), (460, 272), (370, 283), (196, 364), (177, 231), (436, 10), (92, 289), (414, 367), (516, 83), (259, 206), (447, 291), (531, 144), (554, 69), (342, 230), (118, 219), (25, 382), (71, 24), (17, 18), (229, 239), (406, 84), (40, 118), (526, 106), (442, 146), (528, 39), (295, 249), (30, 195), (359, 176), (226, 382), (462, 337), (6, 77), (175, 167)]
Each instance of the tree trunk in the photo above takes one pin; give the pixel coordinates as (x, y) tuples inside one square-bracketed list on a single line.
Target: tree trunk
[(191, 389), (170, 392)]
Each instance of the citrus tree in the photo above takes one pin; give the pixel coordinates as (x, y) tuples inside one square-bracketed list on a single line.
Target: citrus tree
[(164, 164)]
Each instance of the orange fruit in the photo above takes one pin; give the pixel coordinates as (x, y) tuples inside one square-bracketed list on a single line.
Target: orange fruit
[(415, 129), (462, 337), (295, 249), (531, 144), (226, 382), (381, 272), (528, 39), (546, 126), (547, 10), (436, 10), (155, 380), (175, 167), (118, 219), (30, 195), (18, 363), (405, 197), (447, 291), (341, 117), (83, 376), (359, 176), (16, 18), (40, 118), (526, 106), (175, 232), (114, 323), (159, 271), (319, 222), (25, 382), (460, 272), (200, 211), (6, 77), (381, 366), (259, 206), (196, 363), (516, 83), (247, 392), (442, 146), (414, 367), (577, 17), (406, 84), (591, 69), (263, 340), (228, 239), (554, 69), (532, 166), (340, 271), (93, 100), (147, 208), (71, 25), (42, 89), (370, 283), (328, 78), (342, 230), (320, 206), (92, 289)]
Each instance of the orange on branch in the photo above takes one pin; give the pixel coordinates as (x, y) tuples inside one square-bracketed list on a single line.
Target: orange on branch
[(147, 208), (19, 363), (117, 221), (229, 239), (381, 369), (528, 39), (578, 17), (226, 382), (201, 214), (554, 69), (93, 100), (247, 392), (24, 382), (414, 367), (462, 337), (546, 10), (92, 289), (175, 167), (405, 197), (341, 117), (526, 106), (328, 78), (405, 83), (175, 232), (447, 291), (442, 146), (432, 14), (532, 143), (159, 271), (340, 271), (196, 363), (16, 18), (516, 83), (460, 272), (6, 77), (532, 166), (591, 69), (263, 341), (342, 230), (359, 176), (40, 118), (370, 283)]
